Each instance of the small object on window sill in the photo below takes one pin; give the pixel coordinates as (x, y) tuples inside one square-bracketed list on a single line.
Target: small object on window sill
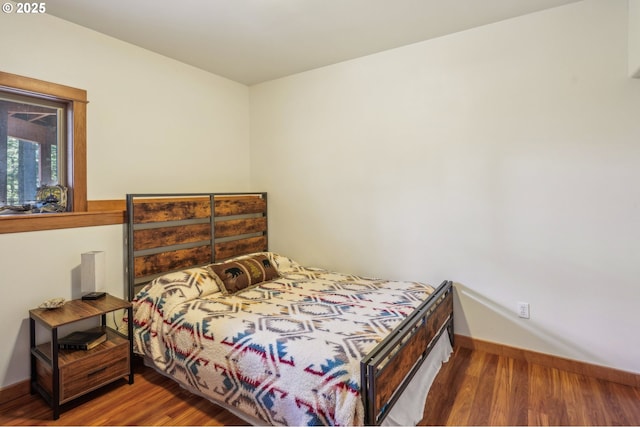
[(18, 209), (50, 198)]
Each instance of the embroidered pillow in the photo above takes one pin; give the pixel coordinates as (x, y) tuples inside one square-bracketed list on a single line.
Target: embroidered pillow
[(235, 275)]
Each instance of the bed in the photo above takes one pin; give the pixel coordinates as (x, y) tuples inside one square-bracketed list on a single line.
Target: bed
[(271, 340)]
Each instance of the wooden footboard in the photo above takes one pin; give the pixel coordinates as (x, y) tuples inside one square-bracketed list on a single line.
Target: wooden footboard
[(390, 366)]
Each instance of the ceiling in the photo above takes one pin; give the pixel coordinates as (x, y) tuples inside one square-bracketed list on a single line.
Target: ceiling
[(251, 41)]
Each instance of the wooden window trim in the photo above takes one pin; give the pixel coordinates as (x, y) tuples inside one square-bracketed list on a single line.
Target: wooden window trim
[(40, 222), (81, 216)]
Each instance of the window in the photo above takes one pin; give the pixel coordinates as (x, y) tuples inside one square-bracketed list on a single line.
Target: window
[(74, 168), (33, 141), (42, 140)]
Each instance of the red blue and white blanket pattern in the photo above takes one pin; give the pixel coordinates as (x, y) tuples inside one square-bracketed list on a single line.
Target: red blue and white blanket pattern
[(286, 351)]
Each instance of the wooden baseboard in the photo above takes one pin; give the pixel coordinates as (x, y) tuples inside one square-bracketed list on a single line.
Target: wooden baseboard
[(550, 361), (14, 391), (20, 389)]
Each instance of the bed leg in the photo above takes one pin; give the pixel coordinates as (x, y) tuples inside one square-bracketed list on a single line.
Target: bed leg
[(450, 332), (450, 321)]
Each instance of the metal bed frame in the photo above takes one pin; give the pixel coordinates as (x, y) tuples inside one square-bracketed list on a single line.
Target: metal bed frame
[(170, 232)]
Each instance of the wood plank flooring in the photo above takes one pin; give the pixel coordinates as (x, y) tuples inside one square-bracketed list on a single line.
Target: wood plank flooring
[(479, 388), (473, 388)]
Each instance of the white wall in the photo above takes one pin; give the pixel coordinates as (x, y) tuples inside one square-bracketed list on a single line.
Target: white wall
[(634, 38), (154, 125), (504, 158)]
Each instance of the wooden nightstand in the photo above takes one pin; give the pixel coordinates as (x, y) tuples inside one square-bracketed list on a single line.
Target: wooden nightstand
[(62, 375)]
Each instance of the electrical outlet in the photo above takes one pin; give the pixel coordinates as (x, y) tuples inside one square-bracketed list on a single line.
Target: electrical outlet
[(523, 310)]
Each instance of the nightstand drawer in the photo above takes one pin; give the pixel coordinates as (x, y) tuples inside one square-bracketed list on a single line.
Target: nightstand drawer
[(81, 372), (93, 371)]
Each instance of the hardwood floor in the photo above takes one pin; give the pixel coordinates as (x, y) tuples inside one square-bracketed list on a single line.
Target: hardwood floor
[(473, 388), (151, 400), (479, 388)]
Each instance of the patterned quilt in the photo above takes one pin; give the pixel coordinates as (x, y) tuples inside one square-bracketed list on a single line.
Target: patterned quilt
[(286, 351)]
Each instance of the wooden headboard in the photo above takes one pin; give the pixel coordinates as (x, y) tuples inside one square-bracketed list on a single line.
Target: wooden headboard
[(170, 232)]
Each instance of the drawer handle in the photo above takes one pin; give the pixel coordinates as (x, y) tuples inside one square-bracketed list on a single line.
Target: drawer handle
[(97, 371)]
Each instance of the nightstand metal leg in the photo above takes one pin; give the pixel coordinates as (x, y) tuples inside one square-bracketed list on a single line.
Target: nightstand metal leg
[(32, 344), (55, 374), (130, 332)]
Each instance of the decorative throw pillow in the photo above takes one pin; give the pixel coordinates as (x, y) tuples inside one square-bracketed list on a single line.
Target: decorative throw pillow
[(239, 274)]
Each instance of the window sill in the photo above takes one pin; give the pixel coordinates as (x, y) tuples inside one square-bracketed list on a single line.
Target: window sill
[(53, 221)]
